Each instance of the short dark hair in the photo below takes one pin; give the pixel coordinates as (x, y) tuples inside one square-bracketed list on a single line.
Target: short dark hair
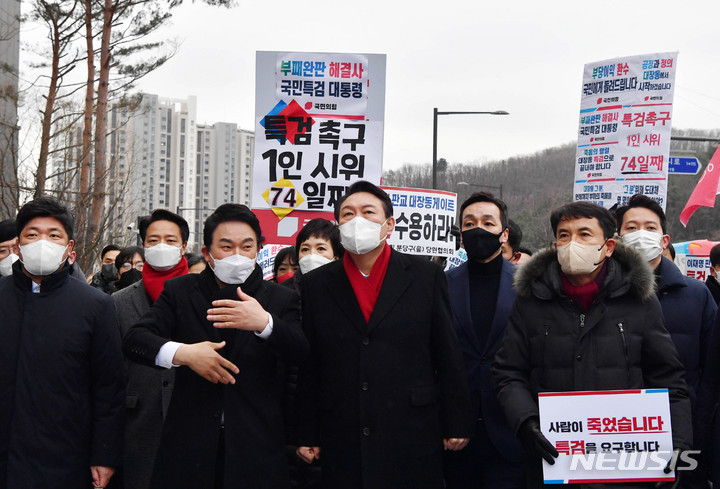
[(515, 235), (671, 250), (164, 215), (7, 230), (194, 259), (487, 197), (110, 247), (365, 186), (45, 207), (640, 200), (578, 210), (126, 255), (522, 249), (715, 255), (229, 213), (287, 252), (324, 229)]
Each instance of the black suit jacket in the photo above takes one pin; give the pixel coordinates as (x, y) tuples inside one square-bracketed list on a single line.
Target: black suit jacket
[(379, 397), (251, 408), (479, 358)]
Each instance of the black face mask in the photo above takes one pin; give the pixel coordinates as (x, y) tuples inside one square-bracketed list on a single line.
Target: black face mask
[(480, 244), (129, 278), (109, 272)]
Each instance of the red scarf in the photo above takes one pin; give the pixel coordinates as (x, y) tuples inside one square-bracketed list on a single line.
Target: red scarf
[(367, 289), (154, 280), (584, 294)]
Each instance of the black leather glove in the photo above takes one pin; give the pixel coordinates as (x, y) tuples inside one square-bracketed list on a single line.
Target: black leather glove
[(670, 484), (535, 441)]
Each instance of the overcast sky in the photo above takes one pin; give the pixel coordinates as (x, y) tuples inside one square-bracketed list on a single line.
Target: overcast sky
[(525, 57)]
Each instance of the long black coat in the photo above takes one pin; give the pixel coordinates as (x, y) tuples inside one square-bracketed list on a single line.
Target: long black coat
[(61, 382), (148, 395), (379, 397), (251, 408), (551, 345)]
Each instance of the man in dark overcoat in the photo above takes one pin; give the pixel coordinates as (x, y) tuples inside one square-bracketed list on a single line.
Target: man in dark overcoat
[(481, 296), (230, 332), (61, 369), (164, 235), (384, 391)]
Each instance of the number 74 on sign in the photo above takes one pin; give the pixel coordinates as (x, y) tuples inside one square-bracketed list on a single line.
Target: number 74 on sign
[(283, 197)]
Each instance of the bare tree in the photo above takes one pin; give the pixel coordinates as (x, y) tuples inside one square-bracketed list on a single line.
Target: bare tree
[(63, 27)]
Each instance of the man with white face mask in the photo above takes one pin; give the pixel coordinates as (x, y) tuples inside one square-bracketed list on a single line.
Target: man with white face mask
[(228, 333), (586, 318), (384, 391), (164, 236), (61, 412), (8, 247), (688, 306)]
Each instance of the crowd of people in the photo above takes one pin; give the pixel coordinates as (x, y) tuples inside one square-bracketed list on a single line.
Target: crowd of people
[(356, 366)]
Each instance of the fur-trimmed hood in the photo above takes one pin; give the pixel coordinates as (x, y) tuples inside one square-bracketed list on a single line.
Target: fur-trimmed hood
[(628, 272)]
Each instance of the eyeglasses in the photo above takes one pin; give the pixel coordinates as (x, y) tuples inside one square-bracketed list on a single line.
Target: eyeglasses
[(137, 266)]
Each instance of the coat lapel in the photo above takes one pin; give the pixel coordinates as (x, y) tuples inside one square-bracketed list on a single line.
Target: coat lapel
[(459, 289), (505, 300), (201, 299), (140, 299), (397, 280), (344, 297)]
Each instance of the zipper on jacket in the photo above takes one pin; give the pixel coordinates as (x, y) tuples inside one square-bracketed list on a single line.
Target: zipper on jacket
[(625, 348), (582, 320), (544, 351)]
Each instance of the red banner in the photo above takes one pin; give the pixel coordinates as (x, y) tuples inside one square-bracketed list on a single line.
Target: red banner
[(284, 231)]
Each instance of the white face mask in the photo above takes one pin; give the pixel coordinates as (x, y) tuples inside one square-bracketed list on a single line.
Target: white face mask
[(312, 261), (6, 264), (646, 242), (162, 257), (579, 259), (360, 236), (42, 257), (234, 269)]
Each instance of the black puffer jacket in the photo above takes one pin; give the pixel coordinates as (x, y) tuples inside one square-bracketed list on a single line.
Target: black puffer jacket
[(620, 342)]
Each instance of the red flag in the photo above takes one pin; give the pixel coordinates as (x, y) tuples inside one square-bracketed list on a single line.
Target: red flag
[(705, 191)]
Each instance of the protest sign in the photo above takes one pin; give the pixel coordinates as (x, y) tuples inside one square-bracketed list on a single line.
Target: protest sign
[(266, 258), (319, 127), (423, 219), (458, 258), (284, 231), (697, 267), (607, 436), (624, 129)]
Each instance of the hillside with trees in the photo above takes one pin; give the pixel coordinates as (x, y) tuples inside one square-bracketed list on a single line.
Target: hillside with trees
[(533, 185)]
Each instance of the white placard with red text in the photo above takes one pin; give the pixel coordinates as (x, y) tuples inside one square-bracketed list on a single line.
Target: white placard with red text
[(319, 128), (266, 258), (607, 436), (697, 267), (624, 129), (423, 219)]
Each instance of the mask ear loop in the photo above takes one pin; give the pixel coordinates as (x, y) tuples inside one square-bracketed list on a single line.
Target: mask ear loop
[(601, 247)]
